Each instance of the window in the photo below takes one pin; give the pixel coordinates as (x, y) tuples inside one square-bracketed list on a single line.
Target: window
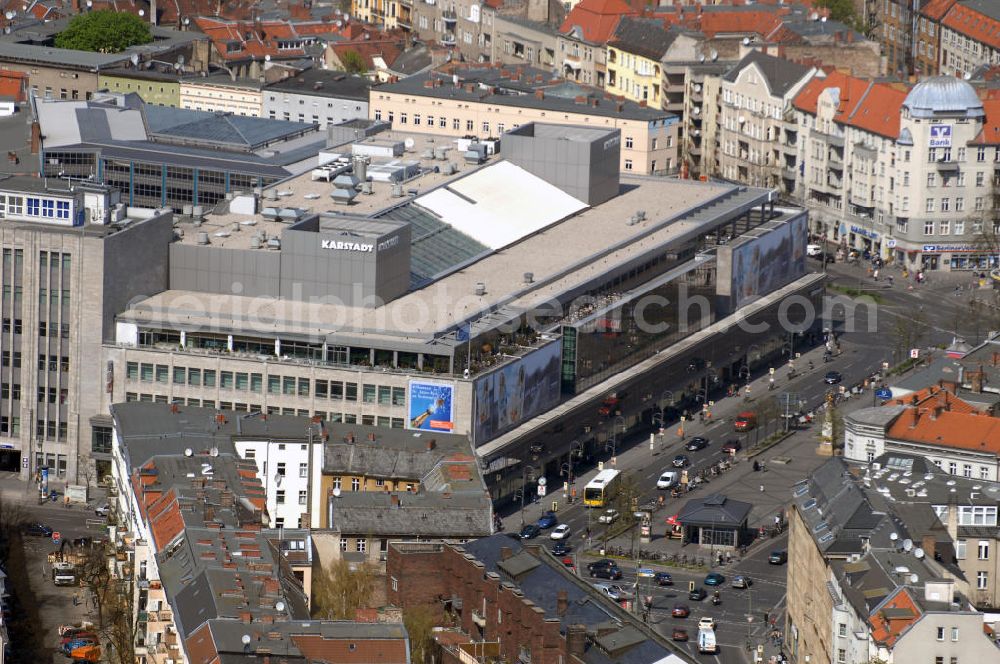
[(486, 127), (929, 206), (303, 470), (960, 549), (944, 227), (984, 549), (952, 468), (302, 497), (209, 376), (981, 154), (360, 544), (980, 178), (982, 580), (355, 484), (928, 228), (131, 371), (959, 207), (954, 634), (940, 633), (398, 396), (841, 656), (281, 468), (628, 142), (343, 546), (978, 515), (842, 629), (628, 164), (945, 204), (931, 177), (368, 393), (279, 496)]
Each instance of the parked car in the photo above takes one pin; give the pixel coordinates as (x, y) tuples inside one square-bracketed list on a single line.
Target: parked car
[(696, 443), (608, 516), (778, 557), (832, 377), (668, 479), (745, 421), (741, 581), (38, 530), (561, 548), (706, 622), (681, 461), (697, 594), (680, 611), (530, 531), (102, 510), (679, 634), (612, 573), (714, 579), (548, 520), (663, 579), (603, 562), (731, 446), (561, 531)]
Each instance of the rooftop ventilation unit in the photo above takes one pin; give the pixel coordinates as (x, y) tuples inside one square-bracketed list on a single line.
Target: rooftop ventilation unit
[(480, 289)]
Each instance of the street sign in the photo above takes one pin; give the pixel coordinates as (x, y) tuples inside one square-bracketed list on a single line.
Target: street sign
[(914, 353), (541, 490), (690, 586), (56, 537), (24, 462), (646, 573), (771, 371), (542, 481), (883, 393)]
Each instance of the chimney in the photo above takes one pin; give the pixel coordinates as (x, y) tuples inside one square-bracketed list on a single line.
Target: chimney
[(505, 552), (642, 103), (539, 94), (996, 358), (431, 444), (580, 99), (350, 438), (850, 36), (36, 137), (371, 436), (929, 545), (914, 417), (976, 380), (246, 618), (394, 501), (576, 640), (619, 107), (562, 602), (937, 412)]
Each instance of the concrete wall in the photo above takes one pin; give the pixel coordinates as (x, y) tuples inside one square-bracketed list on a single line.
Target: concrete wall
[(152, 91), (320, 109), (964, 640), (217, 270), (808, 629)]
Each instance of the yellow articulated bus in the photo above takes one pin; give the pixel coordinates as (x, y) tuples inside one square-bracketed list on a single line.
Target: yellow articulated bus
[(601, 490)]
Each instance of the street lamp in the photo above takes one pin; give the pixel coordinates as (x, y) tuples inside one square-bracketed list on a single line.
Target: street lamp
[(527, 474)]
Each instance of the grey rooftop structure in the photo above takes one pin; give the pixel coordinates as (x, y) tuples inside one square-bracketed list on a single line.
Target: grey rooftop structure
[(714, 510), (324, 83), (780, 74)]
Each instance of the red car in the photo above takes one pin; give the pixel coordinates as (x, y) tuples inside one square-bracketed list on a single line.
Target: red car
[(680, 611), (679, 634), (609, 406)]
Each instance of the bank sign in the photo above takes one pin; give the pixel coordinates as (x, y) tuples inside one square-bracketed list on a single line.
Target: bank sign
[(940, 136)]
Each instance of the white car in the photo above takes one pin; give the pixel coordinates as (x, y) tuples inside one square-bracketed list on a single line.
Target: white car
[(667, 480), (560, 532), (102, 510), (608, 516), (707, 622), (614, 591)]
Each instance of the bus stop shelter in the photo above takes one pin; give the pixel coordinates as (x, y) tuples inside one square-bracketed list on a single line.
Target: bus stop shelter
[(715, 521)]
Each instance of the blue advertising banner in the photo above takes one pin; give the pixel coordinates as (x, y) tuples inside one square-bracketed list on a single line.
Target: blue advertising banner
[(430, 406)]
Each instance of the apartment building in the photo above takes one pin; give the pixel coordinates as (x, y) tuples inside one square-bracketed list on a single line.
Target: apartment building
[(755, 98), (191, 515), (928, 36), (905, 175), (637, 54), (59, 243), (582, 51), (895, 28), (154, 86), (521, 40), (873, 568), (319, 96), (452, 103), (969, 37), (220, 93)]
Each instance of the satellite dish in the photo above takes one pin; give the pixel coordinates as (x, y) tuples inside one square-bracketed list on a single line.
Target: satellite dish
[(907, 544), (267, 58), (714, 55), (177, 66), (187, 21), (339, 23), (701, 58), (188, 452), (10, 15), (741, 119), (214, 451), (336, 492), (245, 639), (918, 553), (409, 143), (142, 12), (968, 76), (914, 578), (746, 41), (277, 479), (347, 17), (279, 606), (134, 58), (893, 536), (823, 20), (697, 87), (180, 60)]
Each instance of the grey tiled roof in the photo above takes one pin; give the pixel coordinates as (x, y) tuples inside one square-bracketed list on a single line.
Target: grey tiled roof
[(218, 128), (781, 74), (645, 37), (324, 83), (423, 514)]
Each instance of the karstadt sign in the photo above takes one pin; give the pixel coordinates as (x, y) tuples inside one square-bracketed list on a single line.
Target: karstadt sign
[(362, 247)]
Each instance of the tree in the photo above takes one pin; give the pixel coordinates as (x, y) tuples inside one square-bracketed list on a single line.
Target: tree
[(339, 591), (420, 622), (104, 32), (353, 62), (113, 600), (841, 10)]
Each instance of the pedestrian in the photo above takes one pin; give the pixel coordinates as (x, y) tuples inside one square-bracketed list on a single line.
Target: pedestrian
[(875, 274), (890, 280), (766, 616), (76, 599), (720, 560)]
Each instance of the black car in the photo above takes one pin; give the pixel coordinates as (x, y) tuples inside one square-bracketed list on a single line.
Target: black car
[(697, 594), (612, 573), (778, 557), (696, 443), (38, 530), (561, 549), (530, 531), (732, 446), (681, 461), (603, 562), (663, 579), (832, 377)]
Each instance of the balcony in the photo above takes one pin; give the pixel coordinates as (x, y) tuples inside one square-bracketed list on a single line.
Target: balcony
[(450, 18), (478, 619), (946, 164)]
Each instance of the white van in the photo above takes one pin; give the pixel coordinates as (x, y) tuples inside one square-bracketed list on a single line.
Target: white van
[(706, 641), (668, 479)]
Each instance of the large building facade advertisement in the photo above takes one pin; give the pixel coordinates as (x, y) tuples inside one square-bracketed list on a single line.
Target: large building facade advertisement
[(516, 392), (769, 262), (431, 406)]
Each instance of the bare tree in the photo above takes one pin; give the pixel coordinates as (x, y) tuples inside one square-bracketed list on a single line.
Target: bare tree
[(339, 591), (112, 597), (95, 575)]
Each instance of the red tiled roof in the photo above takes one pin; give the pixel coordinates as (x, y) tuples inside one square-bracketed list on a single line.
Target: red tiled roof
[(872, 107), (974, 25), (886, 629), (261, 38), (936, 9), (990, 135), (765, 24), (387, 49), (597, 18), (969, 431), (13, 84), (934, 397)]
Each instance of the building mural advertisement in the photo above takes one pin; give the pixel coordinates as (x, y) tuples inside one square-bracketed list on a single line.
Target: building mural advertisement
[(516, 392), (430, 406), (769, 261)]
